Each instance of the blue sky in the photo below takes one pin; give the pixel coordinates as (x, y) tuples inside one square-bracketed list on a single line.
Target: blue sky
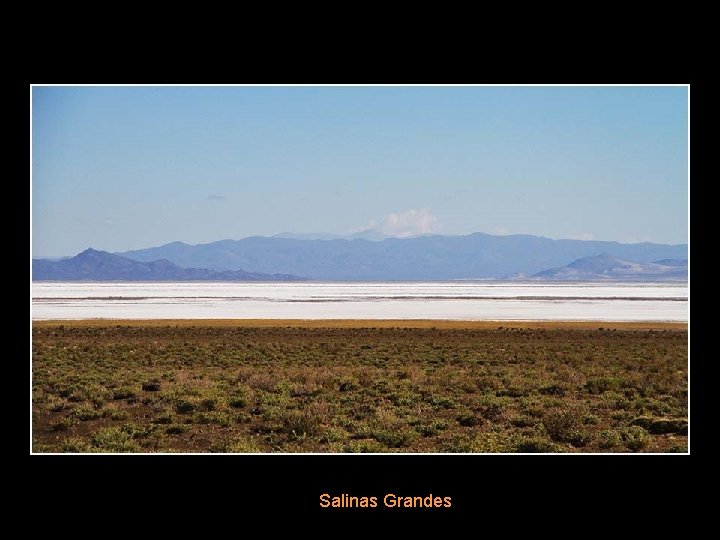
[(120, 168)]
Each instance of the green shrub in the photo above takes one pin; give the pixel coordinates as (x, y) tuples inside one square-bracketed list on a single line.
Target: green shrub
[(440, 402), (138, 431), (85, 412), (659, 426), (566, 426), (208, 404), (679, 448), (635, 437), (55, 404), (395, 438), (431, 429), (347, 386), (484, 443), (599, 385), (535, 445), (75, 444), (492, 442), (164, 418), (364, 447), (222, 419), (184, 406), (114, 414), (333, 434), (523, 421), (301, 424), (489, 384), (458, 444), (63, 424), (610, 438), (151, 386), (238, 402), (552, 390), (512, 391), (244, 445), (113, 439), (126, 392), (201, 418), (468, 419)]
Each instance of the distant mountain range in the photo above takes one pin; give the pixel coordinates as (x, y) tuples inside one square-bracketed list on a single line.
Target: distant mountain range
[(433, 257), (475, 256), (93, 265), (608, 268)]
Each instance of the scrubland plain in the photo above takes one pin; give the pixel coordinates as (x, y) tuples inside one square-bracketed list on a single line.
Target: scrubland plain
[(358, 386)]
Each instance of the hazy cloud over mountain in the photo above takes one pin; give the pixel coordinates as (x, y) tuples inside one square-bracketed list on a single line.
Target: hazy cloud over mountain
[(406, 224)]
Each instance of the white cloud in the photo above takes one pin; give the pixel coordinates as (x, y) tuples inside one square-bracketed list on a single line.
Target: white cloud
[(502, 231), (404, 224), (583, 236), (636, 239)]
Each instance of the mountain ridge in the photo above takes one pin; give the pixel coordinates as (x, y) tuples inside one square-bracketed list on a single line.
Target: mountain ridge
[(95, 265), (428, 257), (604, 267)]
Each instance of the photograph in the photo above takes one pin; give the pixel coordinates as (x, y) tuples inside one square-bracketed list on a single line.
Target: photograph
[(353, 269)]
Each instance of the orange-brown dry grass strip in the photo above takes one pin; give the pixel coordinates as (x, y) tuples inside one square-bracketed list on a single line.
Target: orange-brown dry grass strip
[(368, 323)]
